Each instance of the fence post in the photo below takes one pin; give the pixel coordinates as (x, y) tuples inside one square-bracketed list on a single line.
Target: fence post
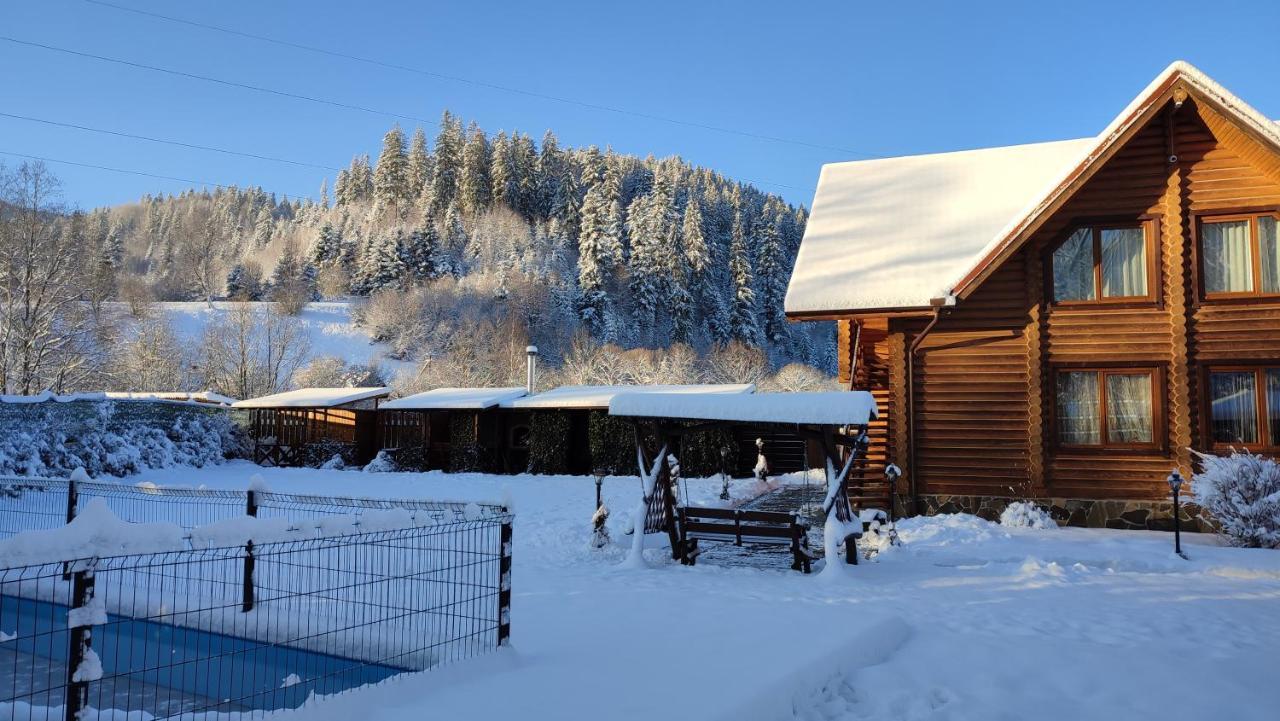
[(80, 640), (251, 503), (73, 499), (247, 602), (504, 586)]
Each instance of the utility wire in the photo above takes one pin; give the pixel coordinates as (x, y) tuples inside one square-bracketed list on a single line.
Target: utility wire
[(124, 170), (478, 83), (178, 143), (218, 81)]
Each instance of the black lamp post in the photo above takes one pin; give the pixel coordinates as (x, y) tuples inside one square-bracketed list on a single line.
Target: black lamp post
[(1175, 485), (892, 473)]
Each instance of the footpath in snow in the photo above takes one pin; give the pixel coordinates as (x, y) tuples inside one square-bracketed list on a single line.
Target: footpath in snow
[(968, 620)]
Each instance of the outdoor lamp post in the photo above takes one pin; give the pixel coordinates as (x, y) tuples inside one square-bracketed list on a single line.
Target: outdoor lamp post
[(724, 473), (599, 531), (1175, 485)]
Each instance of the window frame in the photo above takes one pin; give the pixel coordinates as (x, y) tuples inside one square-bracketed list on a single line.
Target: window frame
[(1159, 421), (1150, 231), (1255, 255), (1259, 369)]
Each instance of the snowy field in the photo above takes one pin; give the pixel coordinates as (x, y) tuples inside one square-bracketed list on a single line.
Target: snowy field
[(968, 620)]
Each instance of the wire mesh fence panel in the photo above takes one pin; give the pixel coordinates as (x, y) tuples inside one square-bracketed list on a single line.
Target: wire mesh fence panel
[(250, 628), (29, 503)]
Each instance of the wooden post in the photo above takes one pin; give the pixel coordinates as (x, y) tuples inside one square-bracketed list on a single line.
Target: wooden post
[(504, 586), (251, 503)]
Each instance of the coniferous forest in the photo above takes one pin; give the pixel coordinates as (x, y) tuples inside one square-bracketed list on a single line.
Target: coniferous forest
[(470, 239)]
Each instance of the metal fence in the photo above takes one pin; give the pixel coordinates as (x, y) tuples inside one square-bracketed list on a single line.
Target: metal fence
[(246, 628), (34, 503)]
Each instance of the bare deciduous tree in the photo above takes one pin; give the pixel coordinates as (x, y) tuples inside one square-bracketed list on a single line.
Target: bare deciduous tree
[(253, 350), (44, 328)]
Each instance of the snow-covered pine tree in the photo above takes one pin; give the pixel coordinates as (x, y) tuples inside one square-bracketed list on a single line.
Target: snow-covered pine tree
[(422, 250), (474, 185), (742, 307), (549, 198), (447, 165), (525, 164), (263, 227), (504, 184), (419, 164), (391, 179), (453, 241), (772, 271), (382, 265), (326, 251)]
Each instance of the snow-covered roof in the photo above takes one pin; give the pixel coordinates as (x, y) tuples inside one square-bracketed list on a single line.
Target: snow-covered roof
[(828, 408), (598, 397), (314, 398), (455, 398), (901, 232), (202, 398)]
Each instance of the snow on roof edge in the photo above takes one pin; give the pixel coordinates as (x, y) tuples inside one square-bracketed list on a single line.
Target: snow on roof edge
[(809, 408), (314, 397), (598, 397), (455, 398)]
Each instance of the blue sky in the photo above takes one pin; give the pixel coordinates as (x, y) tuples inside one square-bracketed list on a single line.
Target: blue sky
[(875, 78)]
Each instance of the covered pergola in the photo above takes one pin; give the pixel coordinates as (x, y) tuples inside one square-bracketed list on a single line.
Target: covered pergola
[(837, 421), (283, 425)]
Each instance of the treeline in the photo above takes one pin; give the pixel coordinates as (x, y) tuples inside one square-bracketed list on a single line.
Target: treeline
[(637, 252)]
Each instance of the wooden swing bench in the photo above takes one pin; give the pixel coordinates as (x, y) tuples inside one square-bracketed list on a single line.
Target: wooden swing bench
[(665, 418), (739, 527)]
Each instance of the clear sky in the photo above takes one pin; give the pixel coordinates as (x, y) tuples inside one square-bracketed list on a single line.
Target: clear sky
[(876, 78)]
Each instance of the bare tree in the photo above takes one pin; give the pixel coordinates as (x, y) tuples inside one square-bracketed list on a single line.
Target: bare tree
[(151, 358), (253, 351), (44, 329)]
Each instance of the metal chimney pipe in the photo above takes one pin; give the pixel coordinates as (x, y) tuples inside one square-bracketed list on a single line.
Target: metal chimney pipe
[(531, 370)]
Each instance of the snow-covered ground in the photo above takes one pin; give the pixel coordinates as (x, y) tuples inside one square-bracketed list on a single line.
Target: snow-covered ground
[(968, 620)]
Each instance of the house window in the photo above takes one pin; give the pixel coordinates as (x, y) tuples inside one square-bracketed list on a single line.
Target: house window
[(1244, 406), (1241, 256), (1107, 407), (1102, 263)]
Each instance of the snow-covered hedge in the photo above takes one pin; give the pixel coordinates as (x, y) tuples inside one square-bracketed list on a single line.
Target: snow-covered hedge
[(1025, 514), (113, 437), (1242, 492)]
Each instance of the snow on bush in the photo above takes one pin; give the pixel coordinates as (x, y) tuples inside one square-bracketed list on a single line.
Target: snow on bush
[(381, 463), (108, 438), (1242, 492), (1025, 514)]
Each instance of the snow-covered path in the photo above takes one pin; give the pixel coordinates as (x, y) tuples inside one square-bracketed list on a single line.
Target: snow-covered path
[(968, 620)]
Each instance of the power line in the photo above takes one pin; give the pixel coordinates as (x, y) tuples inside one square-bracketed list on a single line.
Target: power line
[(478, 83), (218, 81), (178, 143), (124, 170), (271, 91)]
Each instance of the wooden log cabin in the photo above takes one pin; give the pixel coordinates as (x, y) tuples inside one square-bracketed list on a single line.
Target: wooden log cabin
[(1061, 321), (291, 428)]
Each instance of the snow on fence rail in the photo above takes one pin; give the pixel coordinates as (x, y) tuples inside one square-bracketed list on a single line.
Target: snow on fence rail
[(40, 503), (257, 626)]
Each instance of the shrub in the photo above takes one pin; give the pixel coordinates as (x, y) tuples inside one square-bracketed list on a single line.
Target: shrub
[(413, 458), (1025, 514), (549, 442), (318, 454), (464, 446), (612, 442), (1242, 492)]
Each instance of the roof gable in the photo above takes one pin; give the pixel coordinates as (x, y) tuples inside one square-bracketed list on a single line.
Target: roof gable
[(895, 249)]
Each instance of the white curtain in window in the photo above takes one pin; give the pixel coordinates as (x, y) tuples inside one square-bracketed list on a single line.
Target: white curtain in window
[(1078, 416), (1234, 406), (1124, 262), (1269, 245), (1129, 416), (1073, 267), (1273, 404), (1228, 259)]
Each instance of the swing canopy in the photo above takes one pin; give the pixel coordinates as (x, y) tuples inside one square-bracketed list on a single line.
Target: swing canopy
[(825, 408)]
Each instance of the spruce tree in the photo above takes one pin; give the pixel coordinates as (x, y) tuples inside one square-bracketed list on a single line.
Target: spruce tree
[(448, 164), (772, 272), (502, 173), (524, 161), (742, 308), (549, 198), (474, 190), (391, 179), (327, 248), (419, 163)]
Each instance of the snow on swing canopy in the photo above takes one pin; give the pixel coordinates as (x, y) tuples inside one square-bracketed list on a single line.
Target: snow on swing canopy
[(829, 408)]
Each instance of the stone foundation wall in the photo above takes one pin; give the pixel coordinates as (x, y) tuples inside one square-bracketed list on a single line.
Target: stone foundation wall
[(1121, 514)]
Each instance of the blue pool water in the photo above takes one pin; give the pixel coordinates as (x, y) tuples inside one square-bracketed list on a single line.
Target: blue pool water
[(166, 669)]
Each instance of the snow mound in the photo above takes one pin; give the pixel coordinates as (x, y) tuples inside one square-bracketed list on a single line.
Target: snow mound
[(1025, 514), (95, 532)]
